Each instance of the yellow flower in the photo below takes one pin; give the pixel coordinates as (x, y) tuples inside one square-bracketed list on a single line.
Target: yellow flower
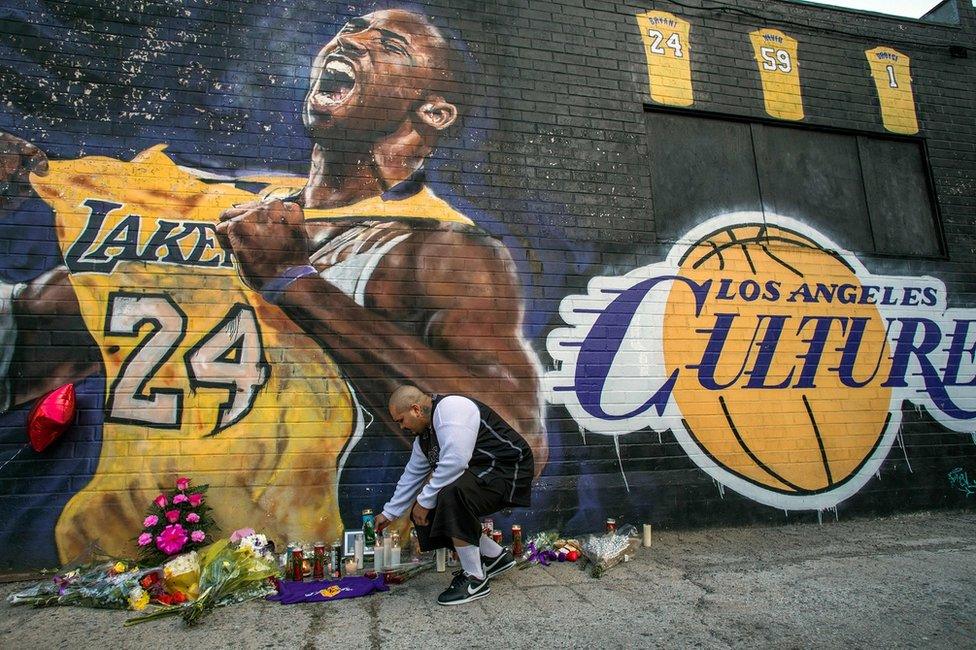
[(138, 599), (119, 567)]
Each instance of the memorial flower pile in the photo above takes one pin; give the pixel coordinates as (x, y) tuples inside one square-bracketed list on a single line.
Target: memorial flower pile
[(105, 585), (176, 522), (190, 584), (229, 572)]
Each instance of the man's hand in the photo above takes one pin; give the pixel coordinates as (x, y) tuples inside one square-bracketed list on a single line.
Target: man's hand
[(419, 515), (380, 522), (266, 238), (18, 158)]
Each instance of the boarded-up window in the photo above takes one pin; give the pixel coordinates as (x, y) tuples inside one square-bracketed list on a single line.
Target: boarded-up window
[(869, 194)]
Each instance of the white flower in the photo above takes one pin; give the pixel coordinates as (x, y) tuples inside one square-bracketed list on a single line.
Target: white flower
[(181, 564), (256, 544)]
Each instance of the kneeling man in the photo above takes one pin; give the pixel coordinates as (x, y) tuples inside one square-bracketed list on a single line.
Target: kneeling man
[(480, 465)]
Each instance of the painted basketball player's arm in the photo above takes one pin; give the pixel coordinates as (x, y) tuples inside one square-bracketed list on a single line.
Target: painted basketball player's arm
[(409, 484), (53, 345), (32, 361), (18, 159), (462, 286)]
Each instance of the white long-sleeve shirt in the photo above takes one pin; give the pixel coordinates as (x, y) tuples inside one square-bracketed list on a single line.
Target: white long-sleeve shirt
[(455, 422)]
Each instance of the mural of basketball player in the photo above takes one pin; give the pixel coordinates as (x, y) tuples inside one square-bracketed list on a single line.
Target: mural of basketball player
[(250, 372)]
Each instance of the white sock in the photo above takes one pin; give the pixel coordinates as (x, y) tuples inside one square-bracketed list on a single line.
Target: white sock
[(489, 547), (471, 561)]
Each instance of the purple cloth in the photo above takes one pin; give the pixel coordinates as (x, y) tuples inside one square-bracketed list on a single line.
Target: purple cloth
[(318, 591)]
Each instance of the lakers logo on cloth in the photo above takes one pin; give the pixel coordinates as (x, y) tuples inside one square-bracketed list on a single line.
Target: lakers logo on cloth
[(776, 359)]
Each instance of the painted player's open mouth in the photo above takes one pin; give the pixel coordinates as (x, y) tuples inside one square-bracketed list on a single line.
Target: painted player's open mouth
[(336, 83)]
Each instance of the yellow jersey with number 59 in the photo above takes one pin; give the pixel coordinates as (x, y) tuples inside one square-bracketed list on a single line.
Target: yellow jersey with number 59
[(203, 377)]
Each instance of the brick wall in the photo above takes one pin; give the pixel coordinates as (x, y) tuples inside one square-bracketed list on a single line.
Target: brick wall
[(553, 163)]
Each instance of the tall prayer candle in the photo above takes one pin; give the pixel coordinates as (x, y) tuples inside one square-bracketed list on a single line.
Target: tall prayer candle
[(379, 554)]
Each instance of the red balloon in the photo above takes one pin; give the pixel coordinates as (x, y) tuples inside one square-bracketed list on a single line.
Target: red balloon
[(51, 416)]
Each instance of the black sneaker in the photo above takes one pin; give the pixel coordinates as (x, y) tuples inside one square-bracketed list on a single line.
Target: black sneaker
[(464, 589), (495, 566)]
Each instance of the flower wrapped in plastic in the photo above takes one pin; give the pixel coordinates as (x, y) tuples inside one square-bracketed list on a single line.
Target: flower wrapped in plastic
[(257, 544), (182, 575), (228, 574), (105, 585), (540, 549), (606, 551)]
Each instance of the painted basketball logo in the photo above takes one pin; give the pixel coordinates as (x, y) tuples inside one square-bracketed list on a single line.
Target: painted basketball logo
[(774, 357), (753, 395)]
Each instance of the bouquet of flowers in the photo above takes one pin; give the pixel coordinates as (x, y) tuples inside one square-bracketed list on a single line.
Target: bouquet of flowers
[(177, 522), (540, 550), (604, 552), (230, 572), (159, 592), (106, 585), (181, 575)]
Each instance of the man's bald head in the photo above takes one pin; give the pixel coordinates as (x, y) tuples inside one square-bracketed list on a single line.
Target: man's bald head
[(404, 397), (410, 408)]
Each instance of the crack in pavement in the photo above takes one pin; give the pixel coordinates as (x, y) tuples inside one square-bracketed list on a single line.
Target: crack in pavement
[(373, 609), (313, 620)]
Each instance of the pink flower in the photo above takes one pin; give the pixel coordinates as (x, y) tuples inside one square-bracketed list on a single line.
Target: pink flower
[(171, 540), (144, 539), (182, 483), (196, 499), (240, 534), (150, 521), (197, 536), (172, 516), (179, 498), (193, 517), (161, 501)]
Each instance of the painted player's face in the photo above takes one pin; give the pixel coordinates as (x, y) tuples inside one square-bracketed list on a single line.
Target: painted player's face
[(412, 419), (376, 72)]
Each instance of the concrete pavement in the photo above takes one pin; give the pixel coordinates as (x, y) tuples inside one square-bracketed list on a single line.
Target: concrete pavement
[(905, 581)]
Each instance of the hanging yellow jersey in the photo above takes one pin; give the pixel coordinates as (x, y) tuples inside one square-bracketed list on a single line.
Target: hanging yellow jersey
[(779, 71), (892, 75), (667, 47), (203, 377)]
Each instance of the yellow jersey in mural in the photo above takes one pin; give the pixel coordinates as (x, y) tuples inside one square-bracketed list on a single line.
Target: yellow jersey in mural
[(667, 47), (203, 377), (891, 71), (779, 71)]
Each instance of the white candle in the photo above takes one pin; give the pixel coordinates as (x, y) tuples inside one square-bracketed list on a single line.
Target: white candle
[(351, 566), (379, 556), (647, 536), (441, 558), (393, 553), (360, 550)]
